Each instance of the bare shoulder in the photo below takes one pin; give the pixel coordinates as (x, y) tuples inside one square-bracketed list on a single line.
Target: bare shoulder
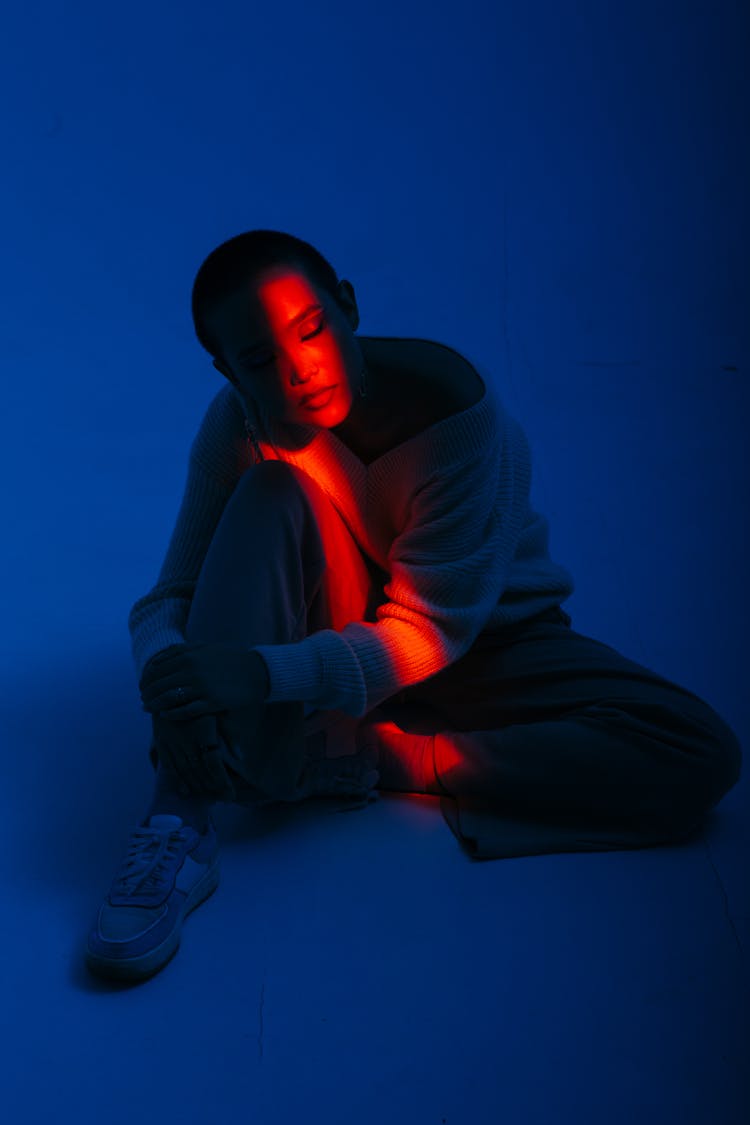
[(447, 374)]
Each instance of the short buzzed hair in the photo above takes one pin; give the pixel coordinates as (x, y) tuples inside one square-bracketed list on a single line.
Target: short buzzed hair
[(239, 259)]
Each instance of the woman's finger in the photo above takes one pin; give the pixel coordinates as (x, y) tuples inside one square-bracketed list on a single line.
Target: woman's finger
[(200, 755), (171, 764), (185, 702), (168, 653), (206, 779), (187, 711), (219, 780), (194, 774), (163, 686), (178, 756)]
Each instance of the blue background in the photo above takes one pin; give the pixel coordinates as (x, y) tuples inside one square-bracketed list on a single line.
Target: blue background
[(559, 192)]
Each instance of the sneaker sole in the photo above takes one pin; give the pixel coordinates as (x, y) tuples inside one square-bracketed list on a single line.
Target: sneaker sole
[(138, 968)]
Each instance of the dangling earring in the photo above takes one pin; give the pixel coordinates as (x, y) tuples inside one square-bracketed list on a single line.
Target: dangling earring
[(362, 384), (256, 448)]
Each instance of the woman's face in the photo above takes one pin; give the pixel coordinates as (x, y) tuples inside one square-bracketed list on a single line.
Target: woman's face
[(283, 341)]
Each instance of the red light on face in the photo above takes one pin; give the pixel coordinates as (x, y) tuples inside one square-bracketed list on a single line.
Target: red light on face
[(318, 401), (306, 350)]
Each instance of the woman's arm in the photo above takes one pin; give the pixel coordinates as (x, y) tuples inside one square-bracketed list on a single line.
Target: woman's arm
[(158, 619), (448, 569), (218, 457)]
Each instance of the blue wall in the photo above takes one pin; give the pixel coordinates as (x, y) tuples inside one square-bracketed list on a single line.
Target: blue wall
[(554, 189)]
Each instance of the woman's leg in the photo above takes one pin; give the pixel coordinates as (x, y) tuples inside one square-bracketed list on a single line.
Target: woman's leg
[(281, 564), (552, 741)]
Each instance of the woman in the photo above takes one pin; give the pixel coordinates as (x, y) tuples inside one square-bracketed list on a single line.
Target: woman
[(358, 592)]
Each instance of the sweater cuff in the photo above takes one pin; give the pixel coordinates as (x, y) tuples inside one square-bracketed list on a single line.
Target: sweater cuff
[(292, 671), (313, 671), (163, 638)]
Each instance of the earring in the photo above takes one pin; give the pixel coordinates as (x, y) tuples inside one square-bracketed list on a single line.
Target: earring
[(252, 436), (362, 384)]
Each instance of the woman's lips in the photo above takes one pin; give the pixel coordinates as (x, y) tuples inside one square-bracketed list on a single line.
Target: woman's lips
[(319, 399)]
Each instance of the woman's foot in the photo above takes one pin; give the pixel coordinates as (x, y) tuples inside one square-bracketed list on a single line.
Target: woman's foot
[(168, 869)]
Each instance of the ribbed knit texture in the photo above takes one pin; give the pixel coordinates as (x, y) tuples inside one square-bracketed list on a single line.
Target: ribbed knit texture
[(446, 514)]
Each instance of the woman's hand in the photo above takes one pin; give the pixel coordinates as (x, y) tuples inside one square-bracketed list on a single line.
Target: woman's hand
[(213, 677), (191, 751)]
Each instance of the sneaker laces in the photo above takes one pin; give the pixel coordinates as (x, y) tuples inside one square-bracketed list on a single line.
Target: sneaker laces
[(352, 776), (150, 856)]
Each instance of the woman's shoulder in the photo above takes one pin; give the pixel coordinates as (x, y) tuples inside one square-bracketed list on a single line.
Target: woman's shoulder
[(427, 366), (431, 363), (220, 439)]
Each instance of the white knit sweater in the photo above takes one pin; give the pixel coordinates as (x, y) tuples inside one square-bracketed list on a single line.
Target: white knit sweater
[(446, 514)]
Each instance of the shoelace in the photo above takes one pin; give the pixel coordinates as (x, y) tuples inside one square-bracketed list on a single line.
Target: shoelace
[(348, 778), (148, 858)]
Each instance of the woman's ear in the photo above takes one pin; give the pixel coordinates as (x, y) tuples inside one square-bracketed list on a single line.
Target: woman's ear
[(347, 302), (224, 370), (248, 404)]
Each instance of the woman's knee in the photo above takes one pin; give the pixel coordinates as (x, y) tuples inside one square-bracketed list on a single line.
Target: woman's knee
[(722, 759), (272, 479), (272, 487), (713, 767)]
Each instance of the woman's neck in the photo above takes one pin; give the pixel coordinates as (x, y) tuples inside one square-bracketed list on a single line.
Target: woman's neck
[(369, 426)]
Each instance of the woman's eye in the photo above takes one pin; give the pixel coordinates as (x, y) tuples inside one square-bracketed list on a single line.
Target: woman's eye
[(317, 331), (309, 336)]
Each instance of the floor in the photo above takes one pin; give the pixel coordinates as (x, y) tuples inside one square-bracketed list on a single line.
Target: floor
[(359, 966)]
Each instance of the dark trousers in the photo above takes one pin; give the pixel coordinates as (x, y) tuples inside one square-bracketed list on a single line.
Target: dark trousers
[(537, 740), (544, 740)]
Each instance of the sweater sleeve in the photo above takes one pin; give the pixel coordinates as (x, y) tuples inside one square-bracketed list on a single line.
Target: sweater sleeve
[(215, 463), (448, 568)]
